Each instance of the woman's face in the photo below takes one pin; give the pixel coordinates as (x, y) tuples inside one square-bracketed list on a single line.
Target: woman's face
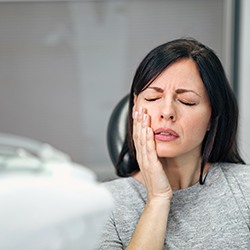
[(179, 108)]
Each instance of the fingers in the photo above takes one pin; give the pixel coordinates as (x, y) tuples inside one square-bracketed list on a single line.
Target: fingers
[(152, 157), (151, 168), (143, 137)]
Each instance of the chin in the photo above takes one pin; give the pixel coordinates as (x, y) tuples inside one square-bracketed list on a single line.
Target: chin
[(168, 151), (166, 154)]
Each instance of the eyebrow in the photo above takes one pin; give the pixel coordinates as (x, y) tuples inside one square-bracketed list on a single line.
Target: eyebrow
[(181, 91), (178, 91), (157, 89)]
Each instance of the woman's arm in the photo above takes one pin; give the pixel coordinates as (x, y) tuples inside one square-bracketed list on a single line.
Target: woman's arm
[(151, 229)]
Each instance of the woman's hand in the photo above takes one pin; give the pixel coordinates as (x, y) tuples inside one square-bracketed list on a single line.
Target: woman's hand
[(151, 169), (150, 231)]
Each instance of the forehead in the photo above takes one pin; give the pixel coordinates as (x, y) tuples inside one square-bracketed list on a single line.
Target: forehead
[(181, 74)]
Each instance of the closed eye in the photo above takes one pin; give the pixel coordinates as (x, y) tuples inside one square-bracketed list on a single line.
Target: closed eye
[(187, 103), (151, 99)]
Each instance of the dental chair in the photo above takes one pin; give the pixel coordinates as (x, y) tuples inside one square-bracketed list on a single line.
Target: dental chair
[(48, 202), (117, 129), (116, 135)]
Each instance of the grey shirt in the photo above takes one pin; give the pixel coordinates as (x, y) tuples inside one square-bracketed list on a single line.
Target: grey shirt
[(212, 216)]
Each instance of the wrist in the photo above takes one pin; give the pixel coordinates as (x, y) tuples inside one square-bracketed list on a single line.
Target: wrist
[(158, 202)]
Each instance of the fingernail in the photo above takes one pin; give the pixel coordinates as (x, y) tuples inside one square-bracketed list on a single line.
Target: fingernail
[(144, 117), (140, 110)]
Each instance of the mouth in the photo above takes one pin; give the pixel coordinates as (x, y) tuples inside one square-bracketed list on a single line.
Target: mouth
[(166, 135)]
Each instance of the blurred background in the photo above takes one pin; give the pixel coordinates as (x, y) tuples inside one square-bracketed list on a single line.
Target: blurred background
[(64, 65)]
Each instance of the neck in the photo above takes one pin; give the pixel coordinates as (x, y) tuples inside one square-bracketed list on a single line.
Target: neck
[(181, 174)]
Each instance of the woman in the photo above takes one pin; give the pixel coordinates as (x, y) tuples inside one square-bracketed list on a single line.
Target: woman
[(187, 186)]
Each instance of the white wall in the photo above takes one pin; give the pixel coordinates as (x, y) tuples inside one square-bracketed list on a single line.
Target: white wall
[(244, 81), (64, 65)]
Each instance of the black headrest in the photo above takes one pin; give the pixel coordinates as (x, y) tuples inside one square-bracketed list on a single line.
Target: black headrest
[(117, 129)]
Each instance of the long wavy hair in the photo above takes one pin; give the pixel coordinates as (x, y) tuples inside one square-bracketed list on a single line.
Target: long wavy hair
[(220, 142)]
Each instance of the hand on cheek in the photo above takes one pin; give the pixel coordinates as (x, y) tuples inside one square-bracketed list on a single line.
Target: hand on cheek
[(151, 169)]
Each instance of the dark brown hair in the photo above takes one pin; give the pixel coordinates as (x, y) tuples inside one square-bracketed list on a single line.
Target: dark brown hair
[(219, 144)]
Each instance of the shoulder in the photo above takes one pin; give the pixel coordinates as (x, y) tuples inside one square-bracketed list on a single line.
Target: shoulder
[(128, 195), (239, 171), (125, 188), (117, 185), (238, 177)]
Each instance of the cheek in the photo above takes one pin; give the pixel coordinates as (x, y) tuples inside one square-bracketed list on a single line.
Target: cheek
[(152, 109), (197, 129), (154, 117)]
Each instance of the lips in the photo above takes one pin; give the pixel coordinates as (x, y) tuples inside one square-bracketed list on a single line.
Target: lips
[(163, 134)]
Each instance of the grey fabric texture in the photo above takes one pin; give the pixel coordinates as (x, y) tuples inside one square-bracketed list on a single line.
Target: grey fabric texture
[(212, 216)]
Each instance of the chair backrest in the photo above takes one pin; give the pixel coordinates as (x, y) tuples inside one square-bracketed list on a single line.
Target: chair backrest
[(117, 129)]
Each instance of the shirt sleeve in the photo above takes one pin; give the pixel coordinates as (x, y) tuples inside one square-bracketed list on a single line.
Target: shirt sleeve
[(238, 178), (109, 238)]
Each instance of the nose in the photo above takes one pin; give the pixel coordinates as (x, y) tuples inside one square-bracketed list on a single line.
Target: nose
[(168, 112)]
